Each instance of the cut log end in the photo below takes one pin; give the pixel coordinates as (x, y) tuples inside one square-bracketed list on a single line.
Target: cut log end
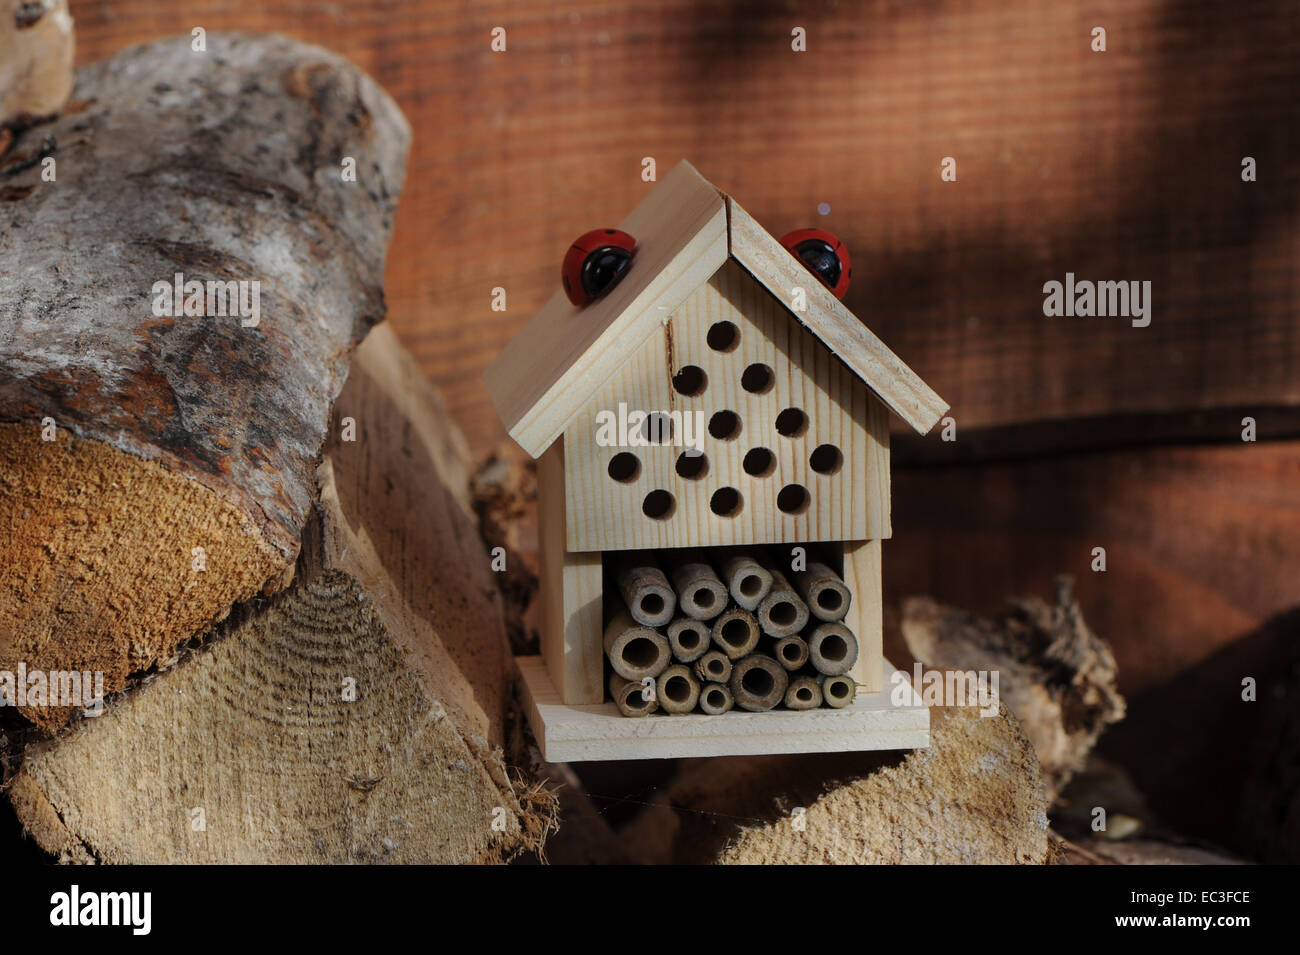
[(128, 556)]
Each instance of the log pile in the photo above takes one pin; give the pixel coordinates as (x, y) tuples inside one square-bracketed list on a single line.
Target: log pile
[(328, 683), (695, 631)]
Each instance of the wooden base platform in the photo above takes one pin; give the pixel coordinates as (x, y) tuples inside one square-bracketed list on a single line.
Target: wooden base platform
[(570, 734)]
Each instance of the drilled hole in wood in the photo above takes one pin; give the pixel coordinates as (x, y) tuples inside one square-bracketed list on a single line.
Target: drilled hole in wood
[(724, 425), (757, 379), (791, 423), (793, 499), (690, 381), (657, 428), (692, 466), (723, 336), (624, 467), (759, 462), (825, 459), (658, 504), (725, 502)]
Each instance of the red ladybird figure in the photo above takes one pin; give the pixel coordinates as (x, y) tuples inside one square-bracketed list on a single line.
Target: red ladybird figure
[(824, 255), (595, 263)]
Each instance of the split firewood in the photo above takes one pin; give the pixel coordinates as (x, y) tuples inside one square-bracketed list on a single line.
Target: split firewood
[(735, 633), (179, 305), (677, 689), (700, 593), (1055, 674), (36, 53), (974, 796), (748, 581), (803, 693), (358, 715), (715, 699), (832, 649), (649, 596), (758, 683), (713, 667), (826, 594), (631, 698), (689, 639), (782, 612)]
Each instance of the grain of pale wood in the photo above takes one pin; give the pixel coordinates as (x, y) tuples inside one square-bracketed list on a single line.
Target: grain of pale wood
[(862, 575), (599, 732), (571, 592), (395, 597), (973, 796), (604, 513), (224, 167)]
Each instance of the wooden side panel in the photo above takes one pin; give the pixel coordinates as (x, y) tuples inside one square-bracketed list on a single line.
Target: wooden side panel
[(570, 586), (866, 617), (850, 503)]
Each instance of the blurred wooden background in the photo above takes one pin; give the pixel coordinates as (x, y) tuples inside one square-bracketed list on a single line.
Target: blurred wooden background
[(1072, 433)]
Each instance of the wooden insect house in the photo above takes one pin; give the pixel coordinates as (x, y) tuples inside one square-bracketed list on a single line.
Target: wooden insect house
[(711, 426)]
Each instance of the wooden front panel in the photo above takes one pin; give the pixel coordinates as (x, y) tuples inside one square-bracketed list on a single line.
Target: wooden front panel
[(849, 503)]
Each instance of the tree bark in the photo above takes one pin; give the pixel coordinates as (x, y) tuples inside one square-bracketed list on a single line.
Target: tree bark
[(180, 474), (249, 749)]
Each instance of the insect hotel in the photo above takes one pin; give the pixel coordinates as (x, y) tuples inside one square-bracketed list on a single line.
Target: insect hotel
[(711, 426)]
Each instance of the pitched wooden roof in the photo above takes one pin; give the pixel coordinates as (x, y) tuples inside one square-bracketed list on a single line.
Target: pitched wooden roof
[(685, 230)]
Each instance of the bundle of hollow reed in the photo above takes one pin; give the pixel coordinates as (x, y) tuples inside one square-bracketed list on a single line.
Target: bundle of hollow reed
[(709, 632)]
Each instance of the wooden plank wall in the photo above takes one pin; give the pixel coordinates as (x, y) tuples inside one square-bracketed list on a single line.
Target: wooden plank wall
[(1116, 165)]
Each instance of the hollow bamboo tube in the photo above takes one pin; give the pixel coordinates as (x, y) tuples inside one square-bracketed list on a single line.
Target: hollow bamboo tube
[(747, 580), (688, 638), (803, 693), (791, 652), (832, 648), (715, 699), (635, 652), (630, 698), (713, 667), (822, 589), (735, 633), (677, 689), (837, 691), (758, 683), (646, 591), (700, 593), (782, 612)]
